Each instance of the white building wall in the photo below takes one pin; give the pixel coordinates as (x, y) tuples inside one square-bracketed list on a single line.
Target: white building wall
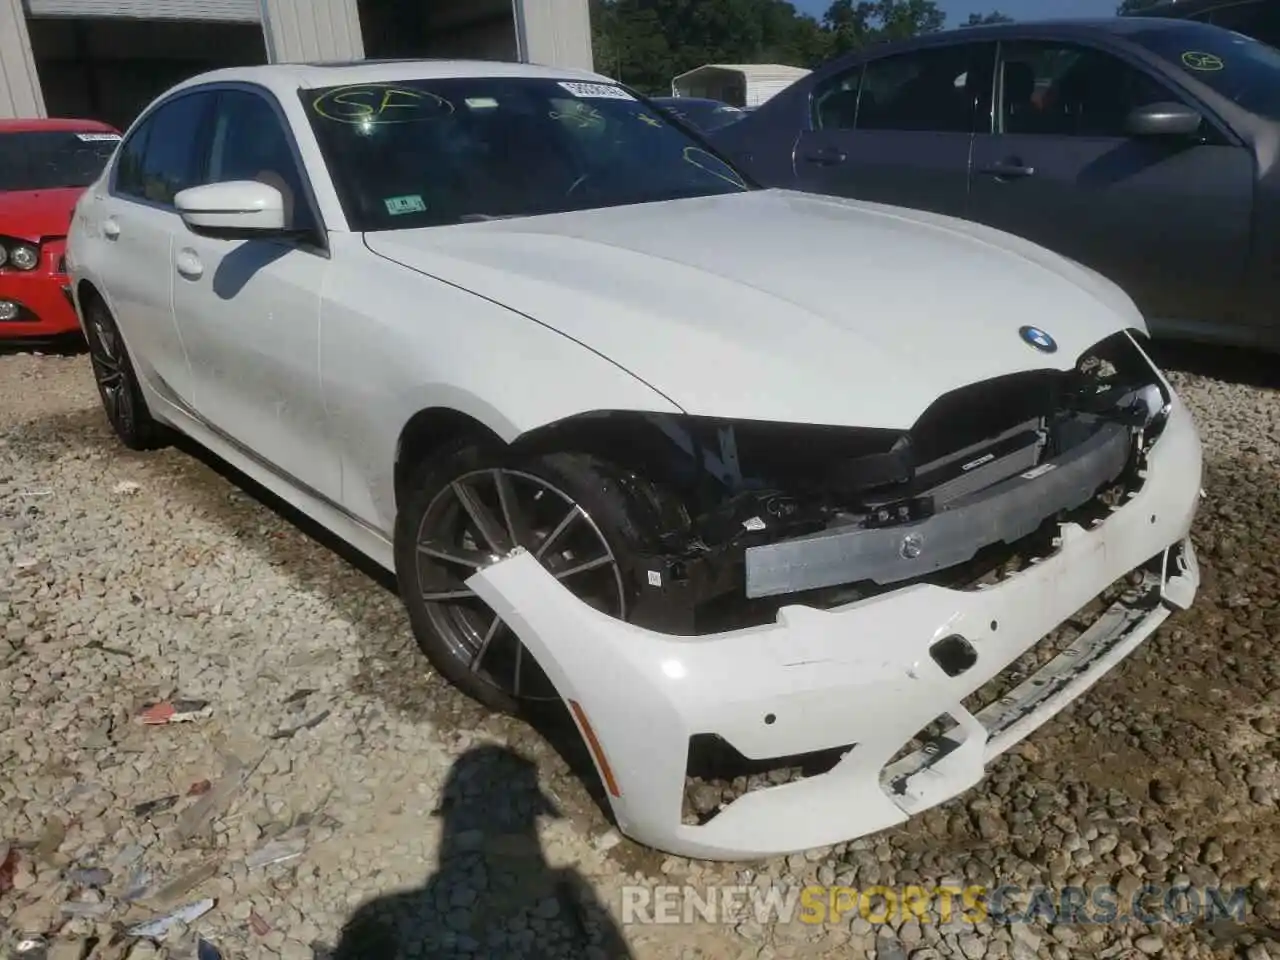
[(19, 85), (550, 32), (309, 30), (554, 33)]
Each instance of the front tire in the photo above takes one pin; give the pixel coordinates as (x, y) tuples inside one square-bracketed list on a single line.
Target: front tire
[(118, 386), (469, 504)]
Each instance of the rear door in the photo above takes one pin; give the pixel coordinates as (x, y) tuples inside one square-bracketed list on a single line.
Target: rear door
[(899, 129), (1166, 218)]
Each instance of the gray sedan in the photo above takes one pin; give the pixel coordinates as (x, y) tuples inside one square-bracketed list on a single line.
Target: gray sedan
[(1145, 148)]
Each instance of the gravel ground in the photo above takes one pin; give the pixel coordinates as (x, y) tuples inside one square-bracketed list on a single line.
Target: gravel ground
[(410, 816)]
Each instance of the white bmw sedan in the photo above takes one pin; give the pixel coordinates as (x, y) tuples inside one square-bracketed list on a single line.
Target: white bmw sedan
[(733, 473)]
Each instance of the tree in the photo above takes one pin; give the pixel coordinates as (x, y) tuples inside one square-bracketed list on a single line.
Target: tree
[(1133, 6), (645, 43), (852, 25), (848, 26), (980, 19), (900, 19)]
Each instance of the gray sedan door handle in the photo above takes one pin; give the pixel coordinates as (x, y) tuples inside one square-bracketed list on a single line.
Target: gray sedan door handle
[(828, 156), (1010, 170), (189, 265)]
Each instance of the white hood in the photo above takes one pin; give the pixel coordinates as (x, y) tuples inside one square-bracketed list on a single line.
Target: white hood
[(776, 305)]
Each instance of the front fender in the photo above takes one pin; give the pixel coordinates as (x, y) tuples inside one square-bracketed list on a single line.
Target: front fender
[(394, 342)]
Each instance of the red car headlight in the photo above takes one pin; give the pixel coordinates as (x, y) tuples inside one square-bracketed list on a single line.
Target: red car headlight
[(19, 254)]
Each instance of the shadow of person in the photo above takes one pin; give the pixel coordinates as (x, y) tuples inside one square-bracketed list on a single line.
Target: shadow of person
[(494, 894)]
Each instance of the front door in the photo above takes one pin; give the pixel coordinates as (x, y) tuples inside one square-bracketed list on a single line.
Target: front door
[(249, 310), (137, 221), (899, 129), (1168, 219)]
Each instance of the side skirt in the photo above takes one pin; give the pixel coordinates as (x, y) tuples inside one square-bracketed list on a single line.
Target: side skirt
[(372, 542)]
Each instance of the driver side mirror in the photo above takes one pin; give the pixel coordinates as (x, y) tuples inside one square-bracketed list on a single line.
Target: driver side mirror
[(1163, 120), (235, 209)]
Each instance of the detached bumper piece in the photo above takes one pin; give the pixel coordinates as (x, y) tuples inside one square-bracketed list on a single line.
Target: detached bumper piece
[(849, 688), (980, 737)]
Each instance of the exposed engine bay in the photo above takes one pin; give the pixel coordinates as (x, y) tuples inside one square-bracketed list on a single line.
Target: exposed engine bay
[(740, 518)]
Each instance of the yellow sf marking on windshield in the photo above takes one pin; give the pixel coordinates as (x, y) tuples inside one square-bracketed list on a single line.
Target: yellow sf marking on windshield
[(1196, 60), (583, 117), (376, 103)]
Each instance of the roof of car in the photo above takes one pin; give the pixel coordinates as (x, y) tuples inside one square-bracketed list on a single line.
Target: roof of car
[(1120, 25), (1065, 27), (1179, 8), (55, 124), (704, 101), (282, 77)]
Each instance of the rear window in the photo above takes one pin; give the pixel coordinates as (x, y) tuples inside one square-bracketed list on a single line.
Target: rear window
[(47, 159)]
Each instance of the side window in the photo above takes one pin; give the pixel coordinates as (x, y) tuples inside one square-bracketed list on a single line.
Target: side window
[(940, 90), (171, 161), (835, 103), (250, 143), (129, 173), (1065, 90)]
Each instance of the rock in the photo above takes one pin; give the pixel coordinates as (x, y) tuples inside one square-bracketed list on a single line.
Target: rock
[(1150, 944), (1163, 793), (67, 949)]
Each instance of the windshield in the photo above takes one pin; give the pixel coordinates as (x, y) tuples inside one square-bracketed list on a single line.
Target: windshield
[(1244, 70), (45, 159), (705, 115), (434, 152)]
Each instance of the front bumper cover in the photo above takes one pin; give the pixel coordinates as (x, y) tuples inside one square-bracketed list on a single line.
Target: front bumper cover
[(861, 674)]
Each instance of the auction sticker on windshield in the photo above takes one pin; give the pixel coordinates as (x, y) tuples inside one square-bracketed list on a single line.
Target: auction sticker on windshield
[(602, 91)]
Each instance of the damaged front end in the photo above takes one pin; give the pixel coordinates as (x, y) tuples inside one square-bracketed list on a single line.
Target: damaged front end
[(835, 629), (741, 519)]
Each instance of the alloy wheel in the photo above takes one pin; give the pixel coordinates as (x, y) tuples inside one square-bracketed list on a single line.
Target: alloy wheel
[(110, 372), (478, 518)]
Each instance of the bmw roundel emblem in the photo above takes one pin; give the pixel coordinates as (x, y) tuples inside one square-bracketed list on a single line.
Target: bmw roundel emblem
[(1038, 339)]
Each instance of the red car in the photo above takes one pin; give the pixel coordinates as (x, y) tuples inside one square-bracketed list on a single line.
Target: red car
[(44, 167)]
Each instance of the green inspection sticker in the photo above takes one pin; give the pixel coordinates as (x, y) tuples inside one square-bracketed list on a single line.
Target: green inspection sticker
[(409, 204)]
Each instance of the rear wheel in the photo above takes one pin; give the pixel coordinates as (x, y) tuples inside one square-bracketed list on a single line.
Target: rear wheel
[(470, 505), (117, 382)]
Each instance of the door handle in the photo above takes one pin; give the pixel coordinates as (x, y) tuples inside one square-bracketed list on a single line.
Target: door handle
[(1011, 169), (110, 228), (189, 264), (827, 156)]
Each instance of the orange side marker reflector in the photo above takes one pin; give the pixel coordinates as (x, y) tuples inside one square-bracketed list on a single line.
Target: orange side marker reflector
[(593, 744)]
